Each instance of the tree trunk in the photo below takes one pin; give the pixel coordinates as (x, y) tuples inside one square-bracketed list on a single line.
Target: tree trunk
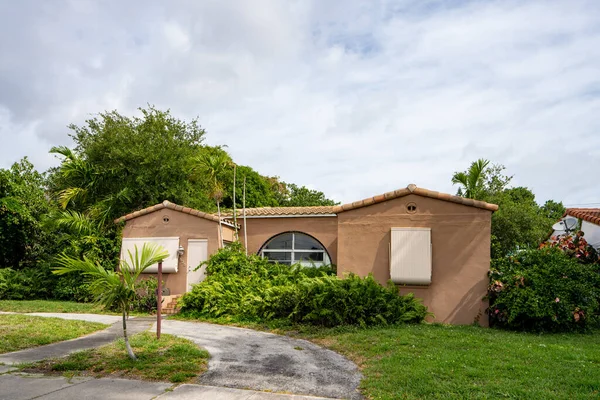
[(127, 345), (220, 226)]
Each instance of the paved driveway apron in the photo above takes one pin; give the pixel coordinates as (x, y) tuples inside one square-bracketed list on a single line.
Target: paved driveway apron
[(243, 358)]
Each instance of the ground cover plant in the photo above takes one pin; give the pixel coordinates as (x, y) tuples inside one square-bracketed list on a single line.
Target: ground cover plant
[(19, 332), (252, 288), (544, 290), (170, 359)]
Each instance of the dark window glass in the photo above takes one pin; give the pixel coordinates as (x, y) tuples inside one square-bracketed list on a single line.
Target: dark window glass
[(280, 257), (304, 242), (280, 242), (316, 256)]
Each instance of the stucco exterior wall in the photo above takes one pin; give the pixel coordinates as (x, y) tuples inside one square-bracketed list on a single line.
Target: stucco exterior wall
[(185, 226), (228, 234), (460, 244), (324, 229)]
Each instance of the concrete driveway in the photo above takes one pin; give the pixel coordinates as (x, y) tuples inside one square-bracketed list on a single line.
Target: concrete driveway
[(243, 358)]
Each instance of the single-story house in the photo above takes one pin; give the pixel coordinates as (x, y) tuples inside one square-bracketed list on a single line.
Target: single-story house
[(432, 244), (585, 219)]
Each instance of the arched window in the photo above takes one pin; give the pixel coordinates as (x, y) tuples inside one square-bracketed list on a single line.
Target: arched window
[(295, 248)]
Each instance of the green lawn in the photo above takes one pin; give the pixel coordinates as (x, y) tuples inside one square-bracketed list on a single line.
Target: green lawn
[(26, 306), (56, 306), (467, 362), (19, 332), (169, 359)]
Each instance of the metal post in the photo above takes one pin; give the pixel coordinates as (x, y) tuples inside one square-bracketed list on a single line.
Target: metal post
[(244, 208), (159, 301), (234, 209)]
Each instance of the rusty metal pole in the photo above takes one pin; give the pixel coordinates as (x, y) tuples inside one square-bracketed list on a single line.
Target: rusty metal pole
[(159, 301)]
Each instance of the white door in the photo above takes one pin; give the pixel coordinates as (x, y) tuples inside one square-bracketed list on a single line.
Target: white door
[(197, 252)]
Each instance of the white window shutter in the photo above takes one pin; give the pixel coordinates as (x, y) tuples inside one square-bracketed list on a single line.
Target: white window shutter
[(410, 256), (171, 244)]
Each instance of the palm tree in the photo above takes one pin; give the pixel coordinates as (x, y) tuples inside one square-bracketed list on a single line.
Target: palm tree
[(213, 164), (115, 289), (472, 180), (85, 189)]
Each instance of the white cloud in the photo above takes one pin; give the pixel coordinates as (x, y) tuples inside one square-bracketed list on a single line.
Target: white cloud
[(352, 98)]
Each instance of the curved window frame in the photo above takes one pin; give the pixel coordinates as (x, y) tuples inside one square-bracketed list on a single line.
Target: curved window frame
[(293, 251)]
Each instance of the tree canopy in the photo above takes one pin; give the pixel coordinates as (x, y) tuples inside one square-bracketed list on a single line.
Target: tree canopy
[(22, 207), (120, 164), (520, 221)]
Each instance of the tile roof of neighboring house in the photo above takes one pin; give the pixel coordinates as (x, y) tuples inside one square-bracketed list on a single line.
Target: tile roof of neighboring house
[(587, 214), (171, 206), (410, 189), (277, 211)]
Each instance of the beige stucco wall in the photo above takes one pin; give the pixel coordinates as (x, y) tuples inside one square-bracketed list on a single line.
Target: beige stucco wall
[(461, 252), (184, 226), (228, 233), (324, 229)]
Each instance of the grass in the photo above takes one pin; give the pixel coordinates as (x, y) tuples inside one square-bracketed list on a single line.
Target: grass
[(19, 332), (169, 359), (435, 361), (458, 362), (56, 306)]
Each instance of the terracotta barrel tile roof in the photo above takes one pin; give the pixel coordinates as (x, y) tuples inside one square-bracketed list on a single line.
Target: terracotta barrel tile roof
[(320, 210), (324, 210), (587, 214), (412, 188), (171, 206), (279, 211)]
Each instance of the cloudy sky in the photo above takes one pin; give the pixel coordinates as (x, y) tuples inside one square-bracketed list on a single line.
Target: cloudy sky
[(351, 98)]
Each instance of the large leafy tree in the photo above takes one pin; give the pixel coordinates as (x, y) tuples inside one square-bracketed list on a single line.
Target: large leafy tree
[(121, 163), (300, 196), (22, 207), (115, 289), (520, 221)]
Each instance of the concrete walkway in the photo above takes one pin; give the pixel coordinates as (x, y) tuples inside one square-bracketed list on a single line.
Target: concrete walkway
[(244, 358), (62, 349), (27, 387)]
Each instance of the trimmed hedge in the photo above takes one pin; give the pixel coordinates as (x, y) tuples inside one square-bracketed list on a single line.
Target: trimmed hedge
[(252, 288), (544, 290)]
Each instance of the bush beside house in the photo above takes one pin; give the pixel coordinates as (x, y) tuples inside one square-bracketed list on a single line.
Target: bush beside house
[(544, 290), (251, 288)]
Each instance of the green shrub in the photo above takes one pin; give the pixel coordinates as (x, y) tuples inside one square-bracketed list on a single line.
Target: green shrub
[(146, 295), (72, 287), (251, 287), (25, 284), (544, 290)]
